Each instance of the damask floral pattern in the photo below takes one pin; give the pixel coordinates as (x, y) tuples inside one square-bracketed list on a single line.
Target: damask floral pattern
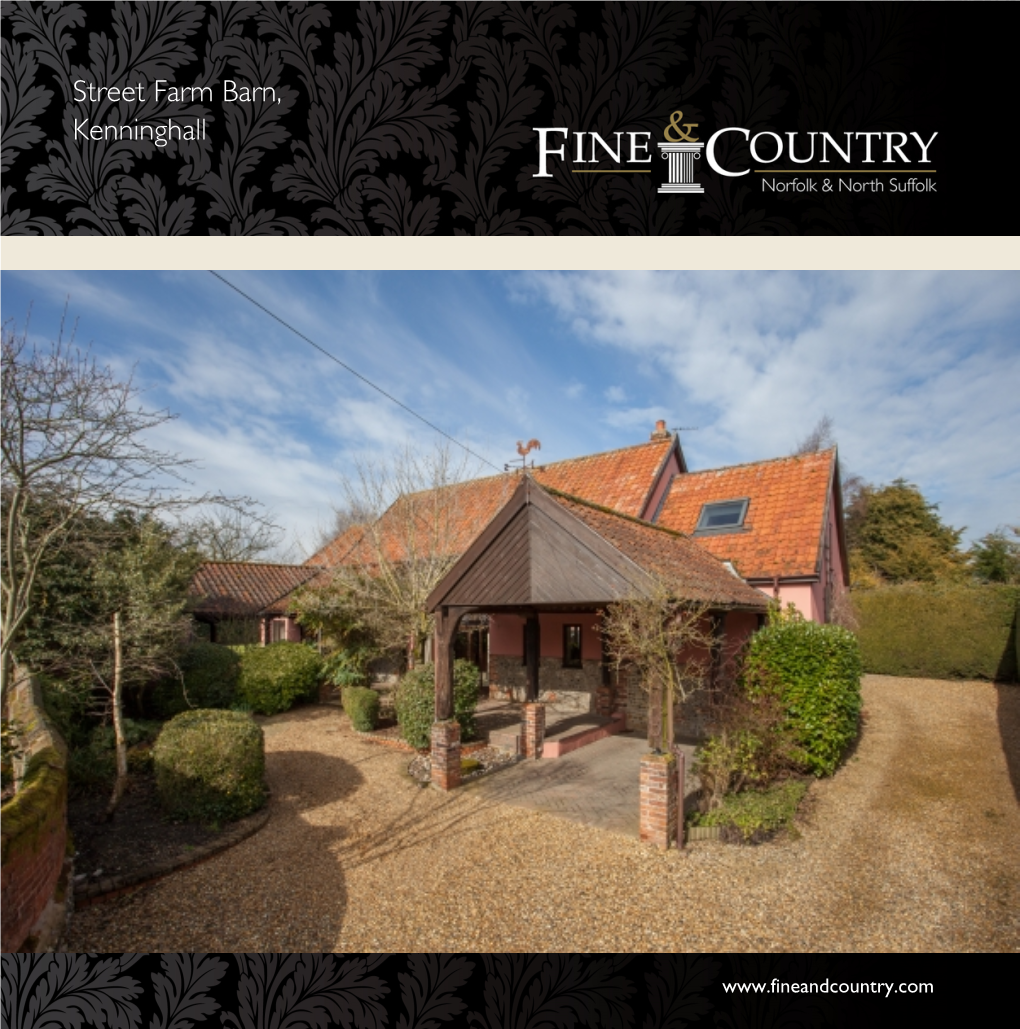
[(419, 118), (428, 991)]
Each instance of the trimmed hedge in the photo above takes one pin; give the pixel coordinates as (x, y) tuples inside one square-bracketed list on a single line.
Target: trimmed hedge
[(210, 766), (416, 702), (272, 678), (362, 706), (940, 632), (210, 672), (818, 668)]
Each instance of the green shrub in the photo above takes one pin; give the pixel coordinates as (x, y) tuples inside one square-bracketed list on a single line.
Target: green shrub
[(818, 669), (416, 702), (238, 632), (94, 765), (348, 667), (940, 631), (362, 705), (89, 769), (71, 711), (755, 815), (753, 744), (272, 678), (209, 674), (210, 766)]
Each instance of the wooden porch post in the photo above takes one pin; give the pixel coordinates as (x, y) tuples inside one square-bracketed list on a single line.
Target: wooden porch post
[(446, 630), (445, 751), (532, 652)]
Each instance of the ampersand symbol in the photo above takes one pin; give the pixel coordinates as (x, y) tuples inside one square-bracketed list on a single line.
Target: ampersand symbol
[(826, 186), (681, 135)]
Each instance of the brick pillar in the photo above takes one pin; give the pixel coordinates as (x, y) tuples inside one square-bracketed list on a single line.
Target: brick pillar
[(658, 800), (445, 755), (534, 730), (604, 701)]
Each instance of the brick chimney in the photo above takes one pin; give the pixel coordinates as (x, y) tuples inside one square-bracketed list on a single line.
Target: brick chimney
[(660, 430)]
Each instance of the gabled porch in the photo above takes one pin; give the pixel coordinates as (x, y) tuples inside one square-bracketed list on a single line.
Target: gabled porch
[(551, 560)]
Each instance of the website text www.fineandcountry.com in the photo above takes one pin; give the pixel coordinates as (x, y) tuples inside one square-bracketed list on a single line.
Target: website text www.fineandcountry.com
[(828, 986)]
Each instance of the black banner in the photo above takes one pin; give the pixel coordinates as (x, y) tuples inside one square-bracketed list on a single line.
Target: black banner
[(250, 991), (493, 118)]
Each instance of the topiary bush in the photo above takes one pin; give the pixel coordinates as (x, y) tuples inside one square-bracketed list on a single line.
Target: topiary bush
[(416, 702), (818, 671), (362, 706), (272, 678), (210, 766), (940, 631), (209, 674)]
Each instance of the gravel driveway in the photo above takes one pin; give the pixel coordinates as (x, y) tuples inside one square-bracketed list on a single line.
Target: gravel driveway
[(912, 846)]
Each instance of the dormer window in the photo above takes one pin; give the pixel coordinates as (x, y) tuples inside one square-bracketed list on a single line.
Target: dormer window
[(727, 516)]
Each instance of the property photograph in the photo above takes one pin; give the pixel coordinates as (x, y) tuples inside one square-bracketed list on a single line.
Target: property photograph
[(497, 612)]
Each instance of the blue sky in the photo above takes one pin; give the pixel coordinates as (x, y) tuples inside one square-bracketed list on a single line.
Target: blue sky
[(919, 371)]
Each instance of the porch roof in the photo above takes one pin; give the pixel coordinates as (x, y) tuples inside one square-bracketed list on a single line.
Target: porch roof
[(548, 548)]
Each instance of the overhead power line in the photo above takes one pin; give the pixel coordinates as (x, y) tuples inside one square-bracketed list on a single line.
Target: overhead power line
[(347, 367)]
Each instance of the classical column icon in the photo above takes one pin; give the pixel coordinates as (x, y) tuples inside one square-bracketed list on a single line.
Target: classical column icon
[(681, 157)]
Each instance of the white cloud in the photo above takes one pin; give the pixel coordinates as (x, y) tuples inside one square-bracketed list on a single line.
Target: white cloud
[(918, 371), (615, 395), (640, 418)]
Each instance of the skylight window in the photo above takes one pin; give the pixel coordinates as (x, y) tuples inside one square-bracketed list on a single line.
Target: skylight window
[(722, 517)]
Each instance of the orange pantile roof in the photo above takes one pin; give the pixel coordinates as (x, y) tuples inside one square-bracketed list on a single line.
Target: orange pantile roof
[(782, 531), (619, 479), (245, 588), (664, 552), (337, 548)]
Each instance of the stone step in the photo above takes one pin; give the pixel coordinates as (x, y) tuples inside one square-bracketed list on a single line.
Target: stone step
[(565, 744)]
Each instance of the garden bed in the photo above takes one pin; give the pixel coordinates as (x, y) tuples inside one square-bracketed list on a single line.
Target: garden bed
[(752, 816), (476, 761), (139, 842)]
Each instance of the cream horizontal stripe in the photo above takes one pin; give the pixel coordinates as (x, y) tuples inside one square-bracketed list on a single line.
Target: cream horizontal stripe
[(227, 253)]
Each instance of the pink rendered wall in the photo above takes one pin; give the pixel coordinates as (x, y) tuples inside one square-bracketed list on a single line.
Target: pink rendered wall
[(671, 468), (802, 596), (833, 572), (506, 634)]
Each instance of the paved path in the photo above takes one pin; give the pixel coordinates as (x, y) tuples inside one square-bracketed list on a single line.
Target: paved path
[(912, 846), (596, 785)]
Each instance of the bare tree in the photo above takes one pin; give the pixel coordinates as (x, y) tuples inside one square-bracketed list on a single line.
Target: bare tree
[(431, 513), (238, 533), (73, 440), (667, 643), (343, 517), (73, 443), (819, 438)]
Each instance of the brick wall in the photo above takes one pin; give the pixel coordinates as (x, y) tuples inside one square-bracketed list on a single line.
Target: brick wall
[(695, 718), (565, 691), (34, 825)]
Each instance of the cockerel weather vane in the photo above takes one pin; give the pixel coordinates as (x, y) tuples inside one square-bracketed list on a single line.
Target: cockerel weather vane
[(524, 449)]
